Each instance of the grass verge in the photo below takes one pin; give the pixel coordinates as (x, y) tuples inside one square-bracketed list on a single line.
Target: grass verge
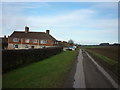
[(49, 73), (104, 58), (108, 62)]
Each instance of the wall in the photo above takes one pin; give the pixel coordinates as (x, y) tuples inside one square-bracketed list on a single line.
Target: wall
[(22, 41)]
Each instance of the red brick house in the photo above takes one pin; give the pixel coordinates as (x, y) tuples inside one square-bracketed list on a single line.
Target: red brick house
[(26, 39)]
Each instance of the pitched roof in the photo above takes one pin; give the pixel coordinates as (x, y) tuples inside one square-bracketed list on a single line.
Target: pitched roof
[(32, 35)]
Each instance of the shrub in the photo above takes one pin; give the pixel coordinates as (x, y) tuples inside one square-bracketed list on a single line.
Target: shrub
[(12, 59)]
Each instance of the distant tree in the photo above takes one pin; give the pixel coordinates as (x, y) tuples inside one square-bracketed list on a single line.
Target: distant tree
[(104, 44), (71, 42)]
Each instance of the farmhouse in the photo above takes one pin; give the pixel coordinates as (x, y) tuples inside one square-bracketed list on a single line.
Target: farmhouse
[(26, 39)]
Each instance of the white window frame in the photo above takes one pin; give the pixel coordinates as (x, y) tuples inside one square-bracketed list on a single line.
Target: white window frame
[(43, 46), (42, 41), (26, 46), (27, 40), (15, 45), (34, 40), (15, 39), (55, 42)]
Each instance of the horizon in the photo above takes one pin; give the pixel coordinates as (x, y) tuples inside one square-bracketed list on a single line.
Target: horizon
[(83, 22)]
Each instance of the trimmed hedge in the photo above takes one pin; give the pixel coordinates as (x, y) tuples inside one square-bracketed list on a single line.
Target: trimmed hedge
[(12, 59)]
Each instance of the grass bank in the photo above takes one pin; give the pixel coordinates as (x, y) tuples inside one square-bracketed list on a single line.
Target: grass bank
[(49, 73), (104, 58)]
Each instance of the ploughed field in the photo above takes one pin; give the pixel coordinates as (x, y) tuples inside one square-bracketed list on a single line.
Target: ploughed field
[(107, 56), (109, 51)]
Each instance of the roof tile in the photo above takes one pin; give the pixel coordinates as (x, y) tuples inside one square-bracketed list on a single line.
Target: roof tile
[(32, 35)]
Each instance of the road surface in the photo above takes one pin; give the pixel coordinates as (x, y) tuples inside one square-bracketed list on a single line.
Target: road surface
[(90, 75)]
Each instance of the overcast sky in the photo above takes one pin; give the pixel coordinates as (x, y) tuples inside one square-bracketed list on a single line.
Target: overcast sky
[(84, 22)]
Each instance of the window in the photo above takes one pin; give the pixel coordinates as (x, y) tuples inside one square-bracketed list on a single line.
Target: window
[(34, 40), (15, 39), (42, 47), (26, 46), (43, 41), (27, 40), (15, 46), (55, 42)]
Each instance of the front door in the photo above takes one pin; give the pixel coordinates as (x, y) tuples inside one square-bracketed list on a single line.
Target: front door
[(32, 46)]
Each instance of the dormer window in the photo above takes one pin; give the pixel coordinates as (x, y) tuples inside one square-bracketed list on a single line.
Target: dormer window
[(27, 40), (15, 39)]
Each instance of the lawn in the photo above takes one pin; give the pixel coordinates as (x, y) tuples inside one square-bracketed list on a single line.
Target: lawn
[(106, 55), (49, 73)]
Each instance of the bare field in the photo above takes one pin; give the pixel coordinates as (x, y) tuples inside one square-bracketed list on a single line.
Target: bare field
[(108, 51)]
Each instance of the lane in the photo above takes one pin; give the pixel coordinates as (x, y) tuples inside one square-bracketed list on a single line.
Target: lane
[(105, 73), (93, 77), (79, 75)]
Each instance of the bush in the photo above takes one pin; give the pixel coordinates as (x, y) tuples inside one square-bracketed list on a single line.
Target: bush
[(12, 59)]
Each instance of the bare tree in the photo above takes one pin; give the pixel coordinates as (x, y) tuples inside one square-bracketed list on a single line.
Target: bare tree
[(71, 42)]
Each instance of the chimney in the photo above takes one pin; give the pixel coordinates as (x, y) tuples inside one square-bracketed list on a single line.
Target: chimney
[(47, 31), (26, 29), (5, 36)]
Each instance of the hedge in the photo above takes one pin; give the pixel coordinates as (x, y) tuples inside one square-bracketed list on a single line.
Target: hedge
[(12, 59)]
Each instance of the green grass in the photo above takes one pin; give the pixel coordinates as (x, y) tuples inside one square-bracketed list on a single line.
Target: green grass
[(49, 73), (104, 58)]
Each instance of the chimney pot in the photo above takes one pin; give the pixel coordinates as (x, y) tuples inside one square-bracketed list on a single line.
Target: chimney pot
[(48, 31)]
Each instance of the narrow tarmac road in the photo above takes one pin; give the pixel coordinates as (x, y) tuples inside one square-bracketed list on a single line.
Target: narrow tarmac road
[(79, 75), (93, 77), (88, 75)]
